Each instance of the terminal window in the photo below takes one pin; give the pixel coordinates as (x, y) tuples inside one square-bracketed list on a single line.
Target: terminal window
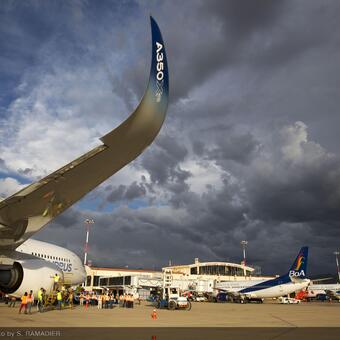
[(193, 271), (96, 280), (221, 270)]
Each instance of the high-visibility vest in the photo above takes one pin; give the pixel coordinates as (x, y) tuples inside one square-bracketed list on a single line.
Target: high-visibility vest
[(29, 298), (24, 299), (40, 295), (59, 296), (56, 278)]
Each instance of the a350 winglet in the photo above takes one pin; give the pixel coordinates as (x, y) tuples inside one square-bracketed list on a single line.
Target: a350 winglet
[(27, 211)]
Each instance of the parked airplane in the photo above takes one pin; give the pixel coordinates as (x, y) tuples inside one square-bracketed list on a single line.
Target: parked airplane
[(288, 283), (332, 289), (28, 264)]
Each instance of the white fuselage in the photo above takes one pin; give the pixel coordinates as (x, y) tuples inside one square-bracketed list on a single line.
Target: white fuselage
[(267, 292), (315, 289), (335, 287), (62, 259)]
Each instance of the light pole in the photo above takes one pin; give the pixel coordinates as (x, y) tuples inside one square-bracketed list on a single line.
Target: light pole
[(88, 223), (244, 244), (336, 253)]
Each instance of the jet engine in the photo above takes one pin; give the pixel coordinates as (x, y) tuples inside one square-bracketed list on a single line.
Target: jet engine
[(26, 275)]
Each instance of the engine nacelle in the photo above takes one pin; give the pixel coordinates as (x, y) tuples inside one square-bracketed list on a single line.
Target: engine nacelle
[(26, 275)]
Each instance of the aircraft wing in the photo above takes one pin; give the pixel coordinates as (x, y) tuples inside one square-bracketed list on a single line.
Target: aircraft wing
[(316, 281), (27, 211)]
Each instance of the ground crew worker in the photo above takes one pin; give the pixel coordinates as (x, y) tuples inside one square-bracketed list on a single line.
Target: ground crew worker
[(121, 300), (70, 298), (87, 300), (30, 300), (59, 298), (93, 298), (56, 278), (81, 299), (137, 297), (112, 298), (107, 299), (44, 297), (12, 301), (23, 303), (125, 303), (100, 301), (40, 303)]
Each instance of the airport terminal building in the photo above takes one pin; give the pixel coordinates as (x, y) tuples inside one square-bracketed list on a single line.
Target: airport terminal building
[(198, 276), (214, 270)]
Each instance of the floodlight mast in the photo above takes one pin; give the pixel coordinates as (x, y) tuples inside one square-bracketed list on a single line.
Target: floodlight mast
[(244, 244), (88, 222), (336, 253)]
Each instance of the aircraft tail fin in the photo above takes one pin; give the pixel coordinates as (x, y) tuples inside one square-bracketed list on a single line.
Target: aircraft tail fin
[(299, 266)]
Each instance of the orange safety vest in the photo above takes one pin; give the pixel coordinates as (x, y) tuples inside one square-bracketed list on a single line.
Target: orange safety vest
[(24, 299), (29, 298)]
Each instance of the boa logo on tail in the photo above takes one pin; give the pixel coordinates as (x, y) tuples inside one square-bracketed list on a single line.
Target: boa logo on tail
[(299, 262), (293, 273), (298, 269)]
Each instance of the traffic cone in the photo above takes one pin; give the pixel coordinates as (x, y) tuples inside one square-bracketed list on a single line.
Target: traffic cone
[(154, 314)]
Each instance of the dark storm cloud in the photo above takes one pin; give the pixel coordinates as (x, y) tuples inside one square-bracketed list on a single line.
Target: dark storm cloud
[(2, 165), (126, 193), (240, 18), (117, 194), (237, 147), (162, 163), (217, 36), (211, 39), (25, 172), (302, 186)]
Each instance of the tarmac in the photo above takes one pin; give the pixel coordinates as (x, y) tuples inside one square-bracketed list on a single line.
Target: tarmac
[(202, 314)]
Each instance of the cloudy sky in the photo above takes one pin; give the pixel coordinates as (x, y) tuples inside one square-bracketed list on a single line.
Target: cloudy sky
[(249, 149)]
